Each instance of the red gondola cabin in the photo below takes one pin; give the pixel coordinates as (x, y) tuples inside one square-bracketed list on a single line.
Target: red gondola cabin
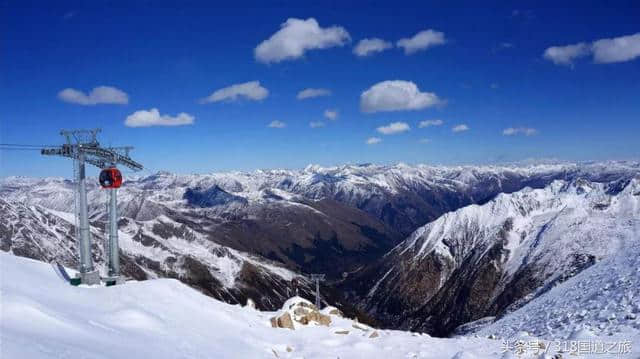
[(110, 178)]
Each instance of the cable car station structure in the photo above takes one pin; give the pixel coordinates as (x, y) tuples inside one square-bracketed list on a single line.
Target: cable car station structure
[(83, 148)]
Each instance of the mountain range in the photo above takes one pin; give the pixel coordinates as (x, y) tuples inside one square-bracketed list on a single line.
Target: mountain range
[(417, 247)]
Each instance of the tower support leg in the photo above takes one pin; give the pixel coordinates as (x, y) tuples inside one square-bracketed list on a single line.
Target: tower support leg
[(88, 274), (113, 260)]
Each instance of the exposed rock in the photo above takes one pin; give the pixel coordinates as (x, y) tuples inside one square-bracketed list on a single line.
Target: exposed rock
[(356, 326), (333, 311), (374, 334), (283, 321), (315, 316), (341, 332), (303, 303)]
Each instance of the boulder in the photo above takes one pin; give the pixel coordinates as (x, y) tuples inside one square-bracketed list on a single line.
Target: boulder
[(319, 318), (374, 335), (283, 321)]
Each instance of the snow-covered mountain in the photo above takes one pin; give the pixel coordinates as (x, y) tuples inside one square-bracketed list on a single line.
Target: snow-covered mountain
[(236, 235), (491, 259), (306, 218), (150, 249), (601, 301)]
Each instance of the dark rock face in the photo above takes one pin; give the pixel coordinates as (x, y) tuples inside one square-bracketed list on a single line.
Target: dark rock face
[(311, 236), (211, 197)]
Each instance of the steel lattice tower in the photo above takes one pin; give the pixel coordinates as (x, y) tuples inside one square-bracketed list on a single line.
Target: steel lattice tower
[(83, 147), (317, 278)]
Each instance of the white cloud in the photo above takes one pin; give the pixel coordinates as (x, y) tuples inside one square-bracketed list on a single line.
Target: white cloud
[(424, 140), (296, 36), (421, 41), (393, 128), (396, 96), (99, 95), (373, 140), (428, 123), (564, 55), (619, 49), (366, 47), (152, 117), (604, 51), (511, 131), (460, 128), (316, 124), (251, 90), (311, 93), (331, 114), (277, 124)]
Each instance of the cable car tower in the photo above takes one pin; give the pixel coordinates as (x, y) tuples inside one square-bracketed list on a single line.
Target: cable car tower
[(82, 146), (317, 278)]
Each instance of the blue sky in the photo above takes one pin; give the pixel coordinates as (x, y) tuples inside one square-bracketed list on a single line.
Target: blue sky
[(480, 66)]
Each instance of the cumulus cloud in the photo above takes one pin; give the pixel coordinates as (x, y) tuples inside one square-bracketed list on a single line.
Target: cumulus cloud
[(316, 124), (564, 55), (311, 93), (511, 131), (396, 95), (421, 41), (429, 123), (393, 128), (277, 124), (619, 49), (251, 90), (331, 114), (373, 140), (296, 36), (152, 117), (460, 128), (99, 95), (366, 47), (604, 51)]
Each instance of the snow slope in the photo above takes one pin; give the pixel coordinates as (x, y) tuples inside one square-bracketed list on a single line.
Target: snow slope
[(42, 317), (603, 300)]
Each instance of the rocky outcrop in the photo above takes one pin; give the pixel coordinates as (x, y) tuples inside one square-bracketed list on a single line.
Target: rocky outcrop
[(303, 313), (282, 321)]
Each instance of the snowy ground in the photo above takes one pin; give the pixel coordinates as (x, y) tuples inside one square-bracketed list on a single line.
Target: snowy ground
[(43, 317)]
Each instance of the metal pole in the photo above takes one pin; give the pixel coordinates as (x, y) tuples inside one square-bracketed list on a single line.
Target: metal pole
[(88, 275), (86, 262), (114, 259)]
